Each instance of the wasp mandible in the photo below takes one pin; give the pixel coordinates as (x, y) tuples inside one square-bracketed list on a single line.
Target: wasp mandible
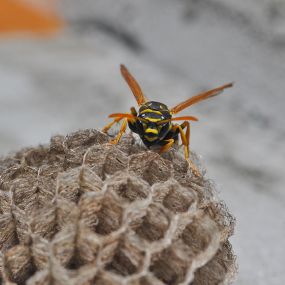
[(154, 120)]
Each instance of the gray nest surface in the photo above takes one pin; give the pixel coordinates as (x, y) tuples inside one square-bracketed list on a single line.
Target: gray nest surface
[(82, 211)]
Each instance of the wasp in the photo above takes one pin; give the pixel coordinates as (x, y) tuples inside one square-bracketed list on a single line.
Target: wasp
[(153, 122)]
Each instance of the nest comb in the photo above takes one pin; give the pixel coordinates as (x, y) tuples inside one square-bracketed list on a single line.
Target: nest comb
[(81, 211)]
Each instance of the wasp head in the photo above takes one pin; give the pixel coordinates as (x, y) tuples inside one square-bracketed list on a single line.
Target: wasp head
[(155, 120)]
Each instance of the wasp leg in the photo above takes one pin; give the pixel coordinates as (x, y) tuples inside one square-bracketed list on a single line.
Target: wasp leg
[(106, 128), (118, 118), (167, 146), (122, 130), (186, 141)]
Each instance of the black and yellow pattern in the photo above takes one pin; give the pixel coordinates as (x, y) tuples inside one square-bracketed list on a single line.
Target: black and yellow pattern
[(153, 121), (151, 126)]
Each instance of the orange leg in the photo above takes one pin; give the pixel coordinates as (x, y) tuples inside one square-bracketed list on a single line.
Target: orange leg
[(106, 128), (167, 146), (186, 141), (122, 130), (118, 118)]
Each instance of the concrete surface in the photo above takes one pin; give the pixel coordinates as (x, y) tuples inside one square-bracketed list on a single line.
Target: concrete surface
[(175, 49)]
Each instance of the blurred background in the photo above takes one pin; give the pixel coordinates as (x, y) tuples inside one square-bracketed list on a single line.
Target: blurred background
[(59, 72)]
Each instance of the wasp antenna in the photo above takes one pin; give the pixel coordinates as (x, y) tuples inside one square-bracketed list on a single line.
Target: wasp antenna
[(185, 118), (121, 115)]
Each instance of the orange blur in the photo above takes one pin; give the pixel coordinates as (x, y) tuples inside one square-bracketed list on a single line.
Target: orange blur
[(19, 16)]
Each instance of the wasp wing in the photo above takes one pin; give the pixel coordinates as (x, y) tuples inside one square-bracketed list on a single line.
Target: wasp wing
[(141, 99), (200, 97)]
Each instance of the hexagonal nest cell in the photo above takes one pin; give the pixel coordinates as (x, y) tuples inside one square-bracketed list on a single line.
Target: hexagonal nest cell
[(83, 211)]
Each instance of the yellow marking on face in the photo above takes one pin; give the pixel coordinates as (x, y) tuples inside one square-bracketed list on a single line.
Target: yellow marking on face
[(152, 131), (150, 111), (153, 120), (150, 139)]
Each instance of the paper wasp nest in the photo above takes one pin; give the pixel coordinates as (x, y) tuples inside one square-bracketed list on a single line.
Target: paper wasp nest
[(81, 211)]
